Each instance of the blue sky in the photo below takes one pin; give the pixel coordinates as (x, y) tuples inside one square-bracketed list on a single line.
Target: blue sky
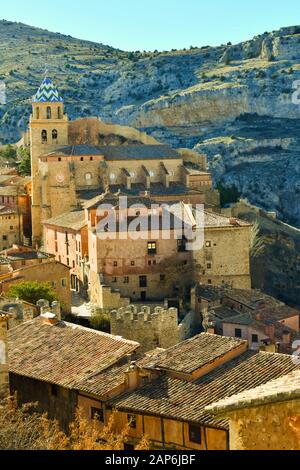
[(156, 24)]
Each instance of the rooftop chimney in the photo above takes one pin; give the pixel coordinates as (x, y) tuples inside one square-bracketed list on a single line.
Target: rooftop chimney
[(132, 376), (49, 318), (56, 310)]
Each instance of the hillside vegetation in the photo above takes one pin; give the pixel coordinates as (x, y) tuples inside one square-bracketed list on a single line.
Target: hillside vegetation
[(233, 102)]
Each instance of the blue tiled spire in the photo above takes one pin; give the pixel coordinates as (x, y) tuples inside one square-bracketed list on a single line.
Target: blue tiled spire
[(47, 93)]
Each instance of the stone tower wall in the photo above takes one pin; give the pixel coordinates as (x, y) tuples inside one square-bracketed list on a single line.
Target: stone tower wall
[(152, 330), (38, 123)]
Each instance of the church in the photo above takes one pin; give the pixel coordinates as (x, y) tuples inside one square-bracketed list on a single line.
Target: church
[(65, 174), (77, 165)]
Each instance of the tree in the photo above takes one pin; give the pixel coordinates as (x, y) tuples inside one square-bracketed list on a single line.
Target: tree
[(257, 245), (25, 165), (32, 292), (22, 428), (228, 194), (8, 153)]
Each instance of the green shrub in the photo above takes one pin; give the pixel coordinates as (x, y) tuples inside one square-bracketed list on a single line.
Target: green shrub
[(101, 322)]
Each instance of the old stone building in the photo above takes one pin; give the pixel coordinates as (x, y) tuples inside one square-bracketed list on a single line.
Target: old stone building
[(171, 408), (51, 361), (225, 257), (23, 264), (264, 418), (11, 228), (163, 394), (263, 321), (15, 195), (155, 263), (152, 329), (63, 172)]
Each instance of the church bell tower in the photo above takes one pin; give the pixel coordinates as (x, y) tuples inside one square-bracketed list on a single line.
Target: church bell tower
[(48, 130)]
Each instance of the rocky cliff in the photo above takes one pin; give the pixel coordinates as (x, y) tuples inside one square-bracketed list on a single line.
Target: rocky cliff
[(238, 103)]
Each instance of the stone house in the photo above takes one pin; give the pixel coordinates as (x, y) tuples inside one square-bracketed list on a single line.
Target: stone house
[(15, 195), (163, 394), (66, 238), (182, 381), (251, 315), (225, 258), (11, 228), (51, 362), (22, 264), (264, 418), (118, 269)]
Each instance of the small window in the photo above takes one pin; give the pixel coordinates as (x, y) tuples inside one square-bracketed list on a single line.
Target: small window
[(152, 248), (53, 284), (255, 339), (209, 282), (181, 245), (44, 136), (64, 282), (114, 280), (162, 277), (54, 390), (49, 114), (132, 421), (126, 280), (132, 263), (238, 333), (208, 265), (91, 159), (59, 112), (97, 413), (208, 244), (195, 434), (143, 281), (54, 134), (115, 264)]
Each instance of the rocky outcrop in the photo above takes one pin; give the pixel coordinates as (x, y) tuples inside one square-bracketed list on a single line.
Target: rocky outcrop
[(184, 98)]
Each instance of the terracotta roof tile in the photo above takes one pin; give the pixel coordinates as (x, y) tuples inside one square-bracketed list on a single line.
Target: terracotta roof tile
[(190, 355), (186, 401), (63, 354), (282, 389), (73, 220)]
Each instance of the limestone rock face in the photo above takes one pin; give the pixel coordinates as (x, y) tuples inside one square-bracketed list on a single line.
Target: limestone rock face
[(183, 98)]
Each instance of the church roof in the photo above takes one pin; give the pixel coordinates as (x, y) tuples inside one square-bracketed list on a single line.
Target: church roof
[(47, 93), (121, 152)]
